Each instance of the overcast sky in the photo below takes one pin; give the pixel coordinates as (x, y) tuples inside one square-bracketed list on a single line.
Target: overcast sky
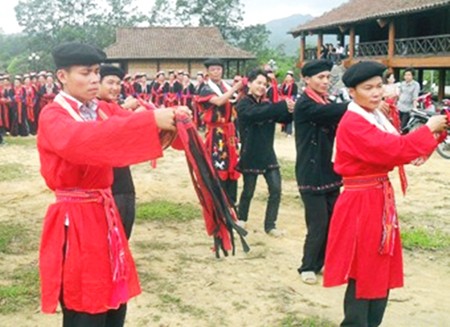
[(256, 11)]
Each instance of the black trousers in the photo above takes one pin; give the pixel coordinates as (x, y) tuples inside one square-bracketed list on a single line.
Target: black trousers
[(360, 312), (126, 205), (288, 129), (318, 211), (111, 318), (404, 117), (230, 188), (273, 180)]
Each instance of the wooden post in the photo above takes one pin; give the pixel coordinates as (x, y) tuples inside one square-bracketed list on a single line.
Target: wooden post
[(302, 49), (238, 68), (420, 77), (391, 42), (319, 44), (441, 89), (351, 44)]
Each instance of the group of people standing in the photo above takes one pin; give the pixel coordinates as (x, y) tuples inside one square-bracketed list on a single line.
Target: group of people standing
[(175, 89), (85, 262), (21, 100)]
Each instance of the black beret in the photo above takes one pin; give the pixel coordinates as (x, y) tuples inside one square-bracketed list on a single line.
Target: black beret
[(111, 70), (213, 62), (76, 53), (362, 71), (315, 67)]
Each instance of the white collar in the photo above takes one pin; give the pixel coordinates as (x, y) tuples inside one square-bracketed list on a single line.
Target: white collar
[(68, 96), (216, 87), (375, 117)]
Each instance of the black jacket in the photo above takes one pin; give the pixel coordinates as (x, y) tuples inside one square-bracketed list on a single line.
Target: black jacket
[(257, 122), (315, 130)]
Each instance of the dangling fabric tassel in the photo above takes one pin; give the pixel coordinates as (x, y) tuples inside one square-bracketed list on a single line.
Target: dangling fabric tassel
[(219, 213)]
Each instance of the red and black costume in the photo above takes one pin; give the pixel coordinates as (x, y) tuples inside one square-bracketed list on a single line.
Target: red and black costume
[(172, 93), (198, 119), (187, 95), (221, 136), (6, 102), (47, 93), (127, 88), (19, 119), (157, 94), (31, 101)]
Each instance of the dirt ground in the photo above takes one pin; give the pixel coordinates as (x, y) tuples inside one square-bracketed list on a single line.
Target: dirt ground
[(184, 285)]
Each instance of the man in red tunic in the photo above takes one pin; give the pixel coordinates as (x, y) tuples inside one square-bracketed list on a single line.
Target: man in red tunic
[(364, 248), (85, 263)]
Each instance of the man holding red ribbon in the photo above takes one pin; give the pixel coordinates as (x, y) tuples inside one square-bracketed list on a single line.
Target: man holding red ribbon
[(85, 263)]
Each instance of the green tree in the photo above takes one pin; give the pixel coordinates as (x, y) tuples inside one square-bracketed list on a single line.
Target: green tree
[(253, 38), (51, 22), (224, 14), (165, 13)]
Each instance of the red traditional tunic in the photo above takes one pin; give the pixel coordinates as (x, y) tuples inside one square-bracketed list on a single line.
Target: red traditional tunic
[(359, 246), (76, 162)]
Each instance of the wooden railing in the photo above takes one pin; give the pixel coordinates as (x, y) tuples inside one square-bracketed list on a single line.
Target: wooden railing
[(423, 45), (310, 54), (417, 46), (371, 49)]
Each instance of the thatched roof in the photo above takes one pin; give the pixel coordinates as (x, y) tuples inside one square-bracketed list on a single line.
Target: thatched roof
[(355, 11), (173, 43)]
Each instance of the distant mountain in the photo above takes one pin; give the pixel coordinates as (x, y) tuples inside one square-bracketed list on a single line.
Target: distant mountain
[(280, 27), (279, 36)]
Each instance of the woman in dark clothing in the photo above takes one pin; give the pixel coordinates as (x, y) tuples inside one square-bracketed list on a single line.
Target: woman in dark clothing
[(257, 118)]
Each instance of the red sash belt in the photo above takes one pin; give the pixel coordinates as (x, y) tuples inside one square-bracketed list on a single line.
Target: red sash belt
[(104, 197), (390, 219)]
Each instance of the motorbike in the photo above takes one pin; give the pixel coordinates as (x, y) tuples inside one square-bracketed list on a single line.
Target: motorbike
[(444, 148), (419, 117), (425, 102)]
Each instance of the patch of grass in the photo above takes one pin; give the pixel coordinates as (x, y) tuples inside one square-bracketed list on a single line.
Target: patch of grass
[(294, 321), (287, 169), (171, 301), (421, 238), (21, 141), (15, 239), (166, 211), (12, 171), (21, 292), (154, 245)]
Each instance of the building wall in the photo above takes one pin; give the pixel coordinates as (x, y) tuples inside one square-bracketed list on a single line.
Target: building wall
[(142, 66), (151, 67)]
